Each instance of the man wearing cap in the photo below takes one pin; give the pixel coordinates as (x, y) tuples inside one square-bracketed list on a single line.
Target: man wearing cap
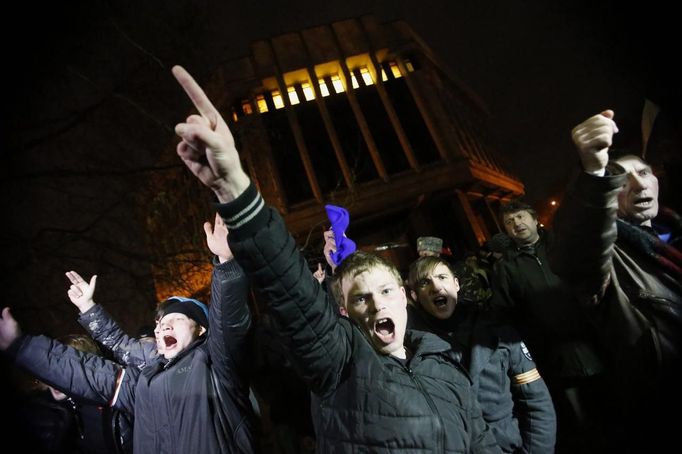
[(629, 281), (192, 397)]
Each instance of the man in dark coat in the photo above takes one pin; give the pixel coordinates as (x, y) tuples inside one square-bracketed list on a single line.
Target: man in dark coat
[(378, 389), (556, 331), (630, 282), (192, 398)]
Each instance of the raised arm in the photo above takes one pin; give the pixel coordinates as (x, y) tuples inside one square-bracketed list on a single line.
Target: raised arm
[(78, 374), (125, 349), (585, 223), (262, 245), (229, 315), (318, 339)]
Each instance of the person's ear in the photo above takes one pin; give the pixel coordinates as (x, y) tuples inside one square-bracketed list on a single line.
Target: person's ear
[(456, 285), (413, 294), (343, 311), (202, 330)]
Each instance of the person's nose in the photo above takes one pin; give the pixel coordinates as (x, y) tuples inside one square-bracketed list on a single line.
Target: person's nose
[(163, 326), (637, 183), (377, 305), (436, 286)]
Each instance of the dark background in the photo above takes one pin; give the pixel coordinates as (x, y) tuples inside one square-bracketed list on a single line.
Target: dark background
[(540, 69), (91, 104)]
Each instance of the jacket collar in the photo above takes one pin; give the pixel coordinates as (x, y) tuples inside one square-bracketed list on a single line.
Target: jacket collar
[(162, 363)]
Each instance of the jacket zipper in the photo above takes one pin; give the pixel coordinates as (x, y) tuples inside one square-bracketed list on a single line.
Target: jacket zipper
[(439, 424)]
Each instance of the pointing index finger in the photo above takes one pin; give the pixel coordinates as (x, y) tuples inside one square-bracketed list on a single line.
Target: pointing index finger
[(196, 94)]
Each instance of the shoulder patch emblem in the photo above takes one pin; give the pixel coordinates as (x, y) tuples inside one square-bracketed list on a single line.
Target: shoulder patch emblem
[(525, 351)]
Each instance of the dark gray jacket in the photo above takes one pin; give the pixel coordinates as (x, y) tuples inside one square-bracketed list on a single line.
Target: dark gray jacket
[(545, 312), (513, 397), (634, 303), (367, 402), (196, 402)]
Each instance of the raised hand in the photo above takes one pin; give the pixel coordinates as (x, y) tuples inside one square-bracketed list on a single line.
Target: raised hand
[(329, 247), (207, 146), (80, 293), (592, 138), (216, 238), (319, 273), (9, 329)]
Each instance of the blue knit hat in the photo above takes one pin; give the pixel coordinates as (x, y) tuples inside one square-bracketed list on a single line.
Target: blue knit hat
[(194, 309)]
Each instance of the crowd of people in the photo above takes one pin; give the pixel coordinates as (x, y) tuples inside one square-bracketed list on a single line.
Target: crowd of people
[(566, 341)]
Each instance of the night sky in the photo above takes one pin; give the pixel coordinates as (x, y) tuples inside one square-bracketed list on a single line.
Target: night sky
[(539, 69)]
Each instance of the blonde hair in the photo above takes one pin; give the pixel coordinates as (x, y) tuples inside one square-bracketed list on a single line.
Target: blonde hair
[(357, 263)]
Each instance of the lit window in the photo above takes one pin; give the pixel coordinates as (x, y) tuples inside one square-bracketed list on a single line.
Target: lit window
[(408, 65), (384, 77), (277, 99), (395, 70), (354, 81), (336, 82), (293, 96), (323, 87), (246, 107), (366, 76), (262, 105), (308, 91)]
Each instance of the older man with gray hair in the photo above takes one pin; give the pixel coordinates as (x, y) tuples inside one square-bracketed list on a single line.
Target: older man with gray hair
[(629, 280)]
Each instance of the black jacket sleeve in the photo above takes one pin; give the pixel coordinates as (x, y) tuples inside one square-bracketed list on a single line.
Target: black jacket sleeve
[(585, 232), (126, 350), (81, 375), (316, 336), (229, 320)]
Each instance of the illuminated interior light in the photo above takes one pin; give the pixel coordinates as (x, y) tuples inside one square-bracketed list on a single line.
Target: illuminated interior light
[(323, 88), (234, 115), (366, 76), (338, 86), (553, 202), (395, 70), (277, 99), (308, 91), (246, 107), (384, 77), (354, 82), (408, 65), (293, 96), (262, 105)]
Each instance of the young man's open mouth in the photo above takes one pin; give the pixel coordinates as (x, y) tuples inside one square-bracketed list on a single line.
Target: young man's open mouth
[(440, 301), (384, 329), (170, 341)]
